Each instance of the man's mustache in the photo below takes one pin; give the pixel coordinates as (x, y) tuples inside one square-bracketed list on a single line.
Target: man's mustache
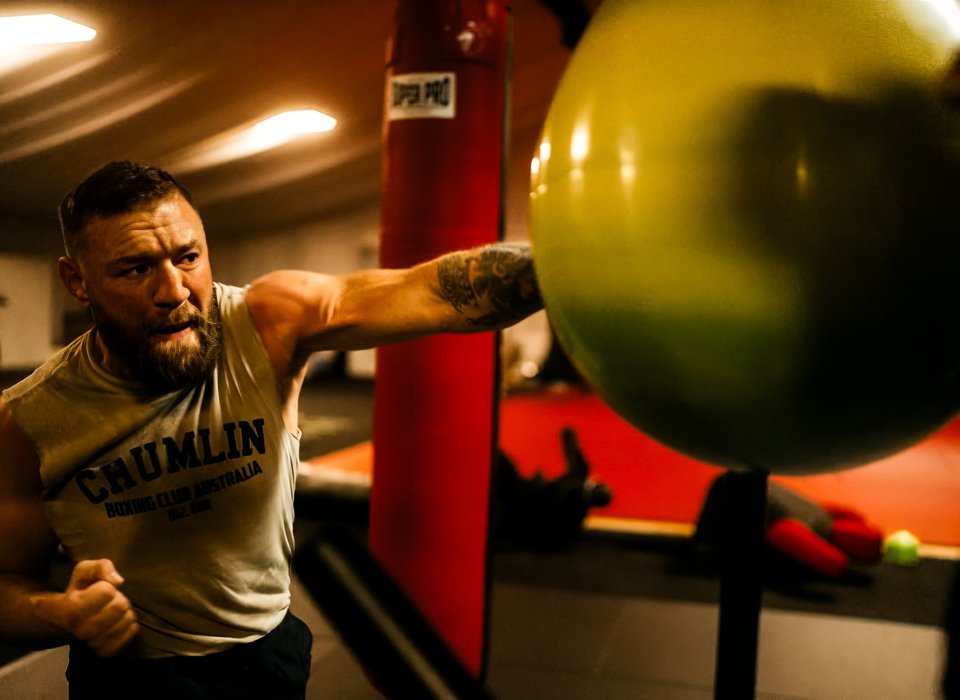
[(186, 315)]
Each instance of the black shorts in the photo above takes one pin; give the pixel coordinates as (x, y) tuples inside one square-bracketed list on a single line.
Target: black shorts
[(275, 666)]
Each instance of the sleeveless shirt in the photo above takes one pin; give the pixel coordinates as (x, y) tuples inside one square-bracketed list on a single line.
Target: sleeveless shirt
[(190, 494)]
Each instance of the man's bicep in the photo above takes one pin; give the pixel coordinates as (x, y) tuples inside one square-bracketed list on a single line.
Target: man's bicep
[(372, 307), (296, 311), (289, 305), (28, 543)]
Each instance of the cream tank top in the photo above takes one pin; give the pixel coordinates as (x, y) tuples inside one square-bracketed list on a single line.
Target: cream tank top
[(190, 494)]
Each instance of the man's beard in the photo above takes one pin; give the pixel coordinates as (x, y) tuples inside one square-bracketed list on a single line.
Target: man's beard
[(165, 367)]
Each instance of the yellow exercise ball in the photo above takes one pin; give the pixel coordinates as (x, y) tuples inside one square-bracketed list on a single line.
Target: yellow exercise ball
[(746, 227)]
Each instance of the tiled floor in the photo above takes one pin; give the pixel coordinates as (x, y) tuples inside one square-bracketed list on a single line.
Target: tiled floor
[(574, 646), (562, 645)]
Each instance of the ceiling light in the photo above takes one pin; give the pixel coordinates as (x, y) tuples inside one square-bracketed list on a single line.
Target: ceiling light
[(34, 30), (286, 125), (249, 140)]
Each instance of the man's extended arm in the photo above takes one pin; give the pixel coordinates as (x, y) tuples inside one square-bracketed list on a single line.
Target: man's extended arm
[(480, 289)]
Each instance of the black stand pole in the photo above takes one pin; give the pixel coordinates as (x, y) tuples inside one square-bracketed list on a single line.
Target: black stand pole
[(741, 585)]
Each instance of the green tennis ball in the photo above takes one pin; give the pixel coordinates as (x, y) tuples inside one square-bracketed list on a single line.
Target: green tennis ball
[(902, 548)]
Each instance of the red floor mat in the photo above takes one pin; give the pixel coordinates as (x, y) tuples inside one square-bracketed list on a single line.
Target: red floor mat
[(916, 490)]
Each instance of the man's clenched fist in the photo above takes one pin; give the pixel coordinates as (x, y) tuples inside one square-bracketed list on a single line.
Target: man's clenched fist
[(95, 611)]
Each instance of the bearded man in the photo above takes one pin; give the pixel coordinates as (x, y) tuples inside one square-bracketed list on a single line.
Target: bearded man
[(186, 392)]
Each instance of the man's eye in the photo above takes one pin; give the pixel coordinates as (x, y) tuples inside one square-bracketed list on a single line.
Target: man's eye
[(190, 258), (136, 271)]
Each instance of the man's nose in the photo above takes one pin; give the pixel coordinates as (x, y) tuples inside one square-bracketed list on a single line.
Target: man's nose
[(169, 290)]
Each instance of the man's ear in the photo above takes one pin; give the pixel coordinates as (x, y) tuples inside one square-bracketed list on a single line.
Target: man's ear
[(72, 278)]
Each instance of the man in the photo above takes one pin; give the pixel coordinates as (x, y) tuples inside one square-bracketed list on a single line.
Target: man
[(160, 449)]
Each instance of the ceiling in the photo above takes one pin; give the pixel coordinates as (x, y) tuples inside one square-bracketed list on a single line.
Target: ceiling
[(165, 82)]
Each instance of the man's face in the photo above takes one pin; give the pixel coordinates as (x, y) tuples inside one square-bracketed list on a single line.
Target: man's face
[(146, 278)]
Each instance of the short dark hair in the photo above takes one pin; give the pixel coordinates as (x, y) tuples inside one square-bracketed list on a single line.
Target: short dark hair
[(116, 188)]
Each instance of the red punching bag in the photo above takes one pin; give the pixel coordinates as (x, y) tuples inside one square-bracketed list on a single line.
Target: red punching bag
[(434, 431)]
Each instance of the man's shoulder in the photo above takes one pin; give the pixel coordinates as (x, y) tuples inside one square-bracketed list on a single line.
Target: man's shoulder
[(228, 293), (61, 362)]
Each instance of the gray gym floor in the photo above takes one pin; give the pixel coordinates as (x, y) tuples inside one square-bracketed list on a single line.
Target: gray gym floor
[(566, 645)]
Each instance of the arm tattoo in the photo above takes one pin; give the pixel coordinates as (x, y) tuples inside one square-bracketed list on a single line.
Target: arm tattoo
[(490, 286)]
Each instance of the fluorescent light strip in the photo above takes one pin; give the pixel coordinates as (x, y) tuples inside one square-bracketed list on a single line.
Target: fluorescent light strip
[(295, 123), (246, 141), (281, 128), (36, 30)]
